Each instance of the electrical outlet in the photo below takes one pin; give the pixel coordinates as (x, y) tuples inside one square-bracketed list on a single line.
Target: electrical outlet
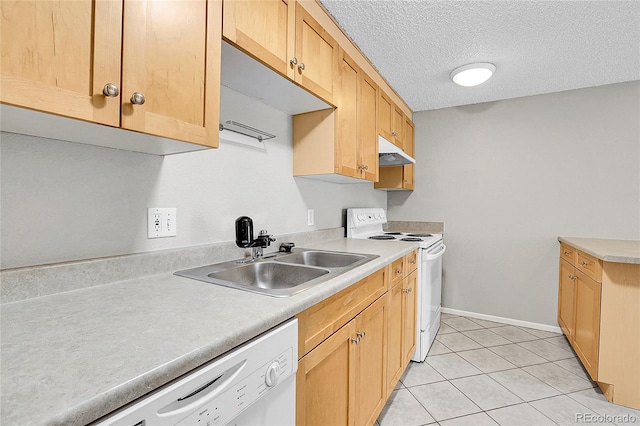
[(310, 217), (161, 222)]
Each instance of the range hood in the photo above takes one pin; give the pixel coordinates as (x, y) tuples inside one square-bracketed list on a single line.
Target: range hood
[(391, 155)]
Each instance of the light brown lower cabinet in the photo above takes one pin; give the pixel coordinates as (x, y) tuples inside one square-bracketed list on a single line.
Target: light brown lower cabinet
[(599, 312), (342, 381), (354, 346)]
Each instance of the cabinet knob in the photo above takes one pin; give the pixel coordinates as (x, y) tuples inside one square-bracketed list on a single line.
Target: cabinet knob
[(413, 262), (361, 334), (565, 252), (398, 271), (407, 290), (294, 61), (111, 90), (365, 167), (355, 340), (572, 277), (137, 98), (394, 134), (301, 66), (583, 263)]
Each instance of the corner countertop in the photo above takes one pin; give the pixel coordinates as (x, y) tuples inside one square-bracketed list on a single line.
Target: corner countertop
[(71, 358), (615, 251)]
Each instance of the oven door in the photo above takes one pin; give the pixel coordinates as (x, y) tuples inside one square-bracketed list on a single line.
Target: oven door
[(430, 284)]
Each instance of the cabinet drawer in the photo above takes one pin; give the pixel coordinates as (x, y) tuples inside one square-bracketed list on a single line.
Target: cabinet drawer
[(411, 262), (588, 264), (397, 271), (325, 318), (568, 253)]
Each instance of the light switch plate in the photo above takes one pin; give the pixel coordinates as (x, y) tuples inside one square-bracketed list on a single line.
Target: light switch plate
[(310, 217), (161, 222)]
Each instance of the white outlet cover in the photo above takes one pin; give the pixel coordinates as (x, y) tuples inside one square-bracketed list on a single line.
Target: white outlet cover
[(310, 217), (162, 222)]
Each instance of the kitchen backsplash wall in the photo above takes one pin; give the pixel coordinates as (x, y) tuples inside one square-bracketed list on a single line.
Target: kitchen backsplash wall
[(64, 201), (509, 177)]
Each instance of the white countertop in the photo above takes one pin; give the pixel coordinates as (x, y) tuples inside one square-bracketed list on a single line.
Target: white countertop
[(73, 357), (616, 251)]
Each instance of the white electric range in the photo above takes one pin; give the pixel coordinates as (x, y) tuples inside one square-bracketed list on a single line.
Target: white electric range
[(367, 223)]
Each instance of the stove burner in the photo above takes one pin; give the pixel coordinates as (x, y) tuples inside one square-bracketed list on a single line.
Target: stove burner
[(412, 239), (420, 235), (393, 233), (382, 237)]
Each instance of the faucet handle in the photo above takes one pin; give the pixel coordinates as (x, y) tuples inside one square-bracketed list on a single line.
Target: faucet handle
[(263, 232)]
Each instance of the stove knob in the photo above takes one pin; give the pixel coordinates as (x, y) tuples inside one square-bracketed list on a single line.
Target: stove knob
[(377, 216), (273, 374), (360, 218)]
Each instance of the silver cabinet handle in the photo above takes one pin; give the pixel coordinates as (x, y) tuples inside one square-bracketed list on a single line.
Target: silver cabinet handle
[(110, 90), (301, 67), (137, 98), (294, 61), (355, 340), (361, 334), (572, 277)]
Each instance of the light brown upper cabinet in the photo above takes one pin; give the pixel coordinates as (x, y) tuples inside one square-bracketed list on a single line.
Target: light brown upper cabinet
[(265, 29), (58, 57), (386, 110), (284, 36), (397, 127), (400, 177), (341, 142), (156, 72), (171, 69)]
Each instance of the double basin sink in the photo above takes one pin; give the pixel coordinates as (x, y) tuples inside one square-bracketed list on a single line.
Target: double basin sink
[(279, 274)]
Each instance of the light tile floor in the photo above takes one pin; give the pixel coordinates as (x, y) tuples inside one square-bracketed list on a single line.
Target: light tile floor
[(487, 373)]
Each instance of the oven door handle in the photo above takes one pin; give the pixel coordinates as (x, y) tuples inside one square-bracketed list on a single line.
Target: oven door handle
[(437, 254)]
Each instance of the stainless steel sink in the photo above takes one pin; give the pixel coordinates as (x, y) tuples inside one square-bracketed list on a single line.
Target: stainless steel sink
[(269, 275), (279, 274), (324, 259)]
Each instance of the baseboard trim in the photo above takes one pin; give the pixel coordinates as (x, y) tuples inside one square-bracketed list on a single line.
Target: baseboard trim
[(510, 321)]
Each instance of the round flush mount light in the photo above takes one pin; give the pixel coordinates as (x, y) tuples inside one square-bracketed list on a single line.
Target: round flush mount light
[(473, 74)]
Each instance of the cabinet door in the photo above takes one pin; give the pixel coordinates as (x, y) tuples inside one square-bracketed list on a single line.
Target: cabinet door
[(395, 326), (171, 55), (566, 298), (397, 128), (262, 28), (371, 362), (385, 116), (409, 316), (317, 56), (409, 147), (586, 337), (346, 98), (367, 130), (58, 56), (325, 381)]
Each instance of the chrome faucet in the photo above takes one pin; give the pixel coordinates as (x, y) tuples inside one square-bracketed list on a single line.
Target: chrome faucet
[(263, 240), (244, 238)]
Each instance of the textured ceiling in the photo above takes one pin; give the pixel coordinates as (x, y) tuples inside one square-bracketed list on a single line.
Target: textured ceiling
[(537, 46)]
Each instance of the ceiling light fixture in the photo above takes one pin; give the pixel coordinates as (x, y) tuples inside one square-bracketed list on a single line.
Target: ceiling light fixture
[(473, 74)]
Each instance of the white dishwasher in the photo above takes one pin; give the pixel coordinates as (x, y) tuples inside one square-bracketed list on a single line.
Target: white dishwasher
[(253, 384)]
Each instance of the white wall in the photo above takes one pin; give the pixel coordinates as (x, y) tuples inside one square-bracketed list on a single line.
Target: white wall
[(509, 177), (63, 201)]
